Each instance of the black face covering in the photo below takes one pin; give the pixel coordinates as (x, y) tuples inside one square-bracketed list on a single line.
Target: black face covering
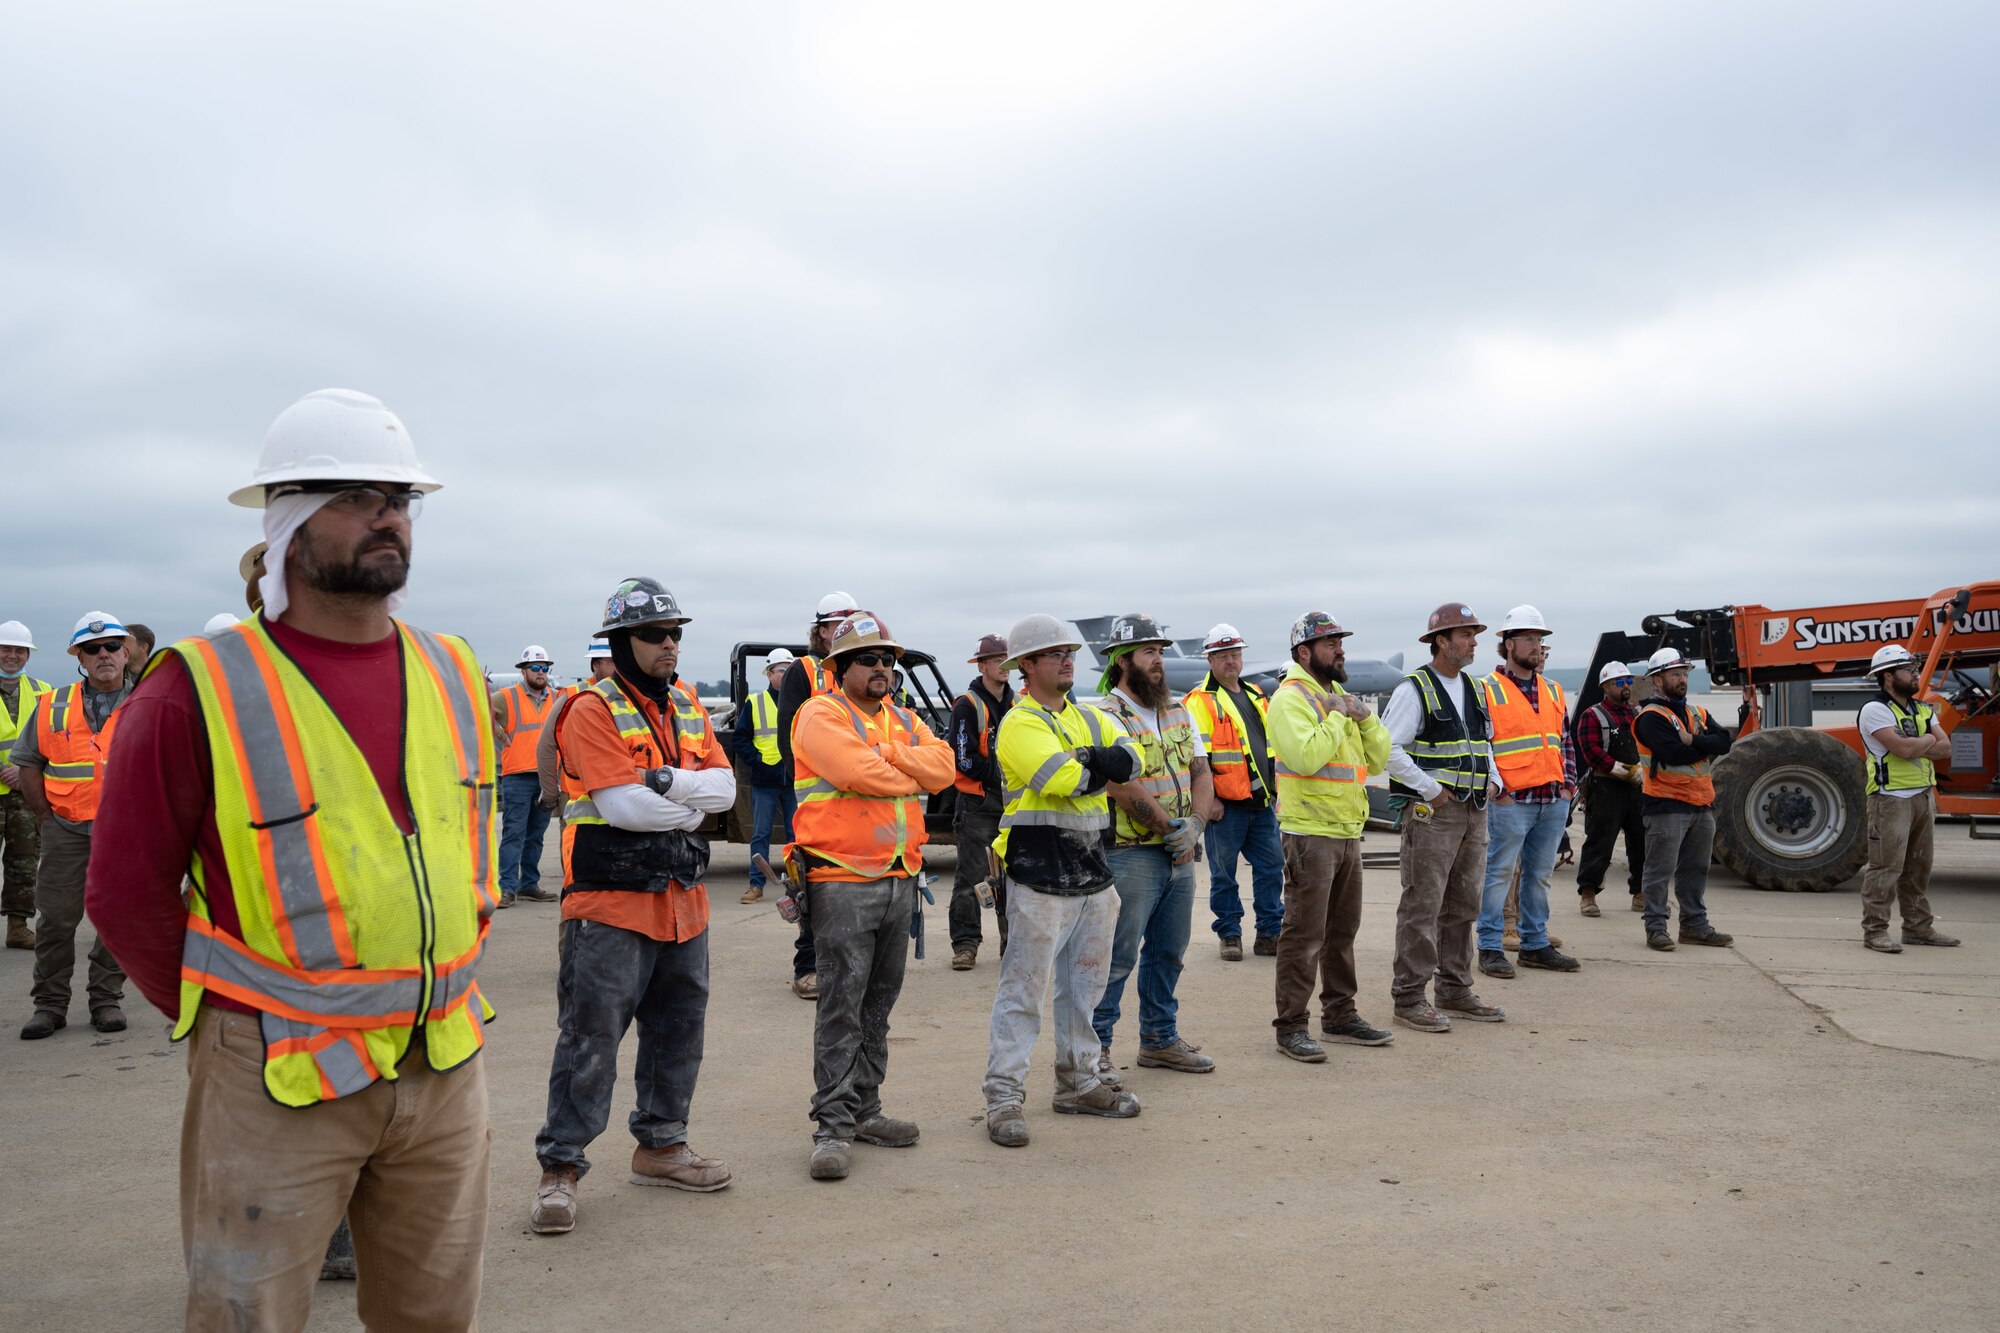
[(628, 669)]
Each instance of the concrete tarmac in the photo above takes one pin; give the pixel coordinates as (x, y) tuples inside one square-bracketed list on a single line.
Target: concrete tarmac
[(1789, 1133)]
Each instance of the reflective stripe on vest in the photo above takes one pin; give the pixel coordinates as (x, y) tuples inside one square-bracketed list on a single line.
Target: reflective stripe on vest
[(864, 835), (1887, 772), (523, 722), (353, 933), (983, 720), (1527, 741), (763, 707), (1677, 782), (1237, 775), (30, 693), (691, 734), (1167, 755), (1077, 725), (1292, 783), (72, 751), (1459, 763)]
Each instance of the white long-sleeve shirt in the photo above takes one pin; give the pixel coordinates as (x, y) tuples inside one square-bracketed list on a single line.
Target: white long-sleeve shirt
[(1404, 717), (640, 809)]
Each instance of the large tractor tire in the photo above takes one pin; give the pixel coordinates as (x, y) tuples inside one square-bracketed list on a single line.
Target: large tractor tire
[(1791, 810)]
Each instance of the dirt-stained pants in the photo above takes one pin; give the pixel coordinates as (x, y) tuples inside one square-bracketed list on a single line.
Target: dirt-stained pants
[(1899, 862), (1059, 941), (264, 1185), (59, 898), (1443, 864), (20, 851), (1322, 912), (975, 830), (861, 939)]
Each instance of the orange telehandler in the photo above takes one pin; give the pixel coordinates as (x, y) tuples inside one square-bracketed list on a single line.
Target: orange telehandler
[(1790, 809)]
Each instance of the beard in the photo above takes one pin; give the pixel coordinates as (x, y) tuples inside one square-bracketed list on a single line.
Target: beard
[(1150, 692), (331, 574)]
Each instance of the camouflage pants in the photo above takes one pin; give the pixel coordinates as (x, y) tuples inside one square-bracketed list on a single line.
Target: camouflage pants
[(1443, 868), (20, 850)]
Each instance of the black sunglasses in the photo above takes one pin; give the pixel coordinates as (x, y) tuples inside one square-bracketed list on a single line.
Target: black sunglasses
[(97, 646), (873, 659), (657, 634)]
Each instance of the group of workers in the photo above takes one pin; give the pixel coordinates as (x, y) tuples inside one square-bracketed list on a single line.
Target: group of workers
[(303, 806)]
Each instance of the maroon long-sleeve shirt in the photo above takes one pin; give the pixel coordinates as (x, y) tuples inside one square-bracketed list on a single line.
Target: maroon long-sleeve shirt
[(156, 813)]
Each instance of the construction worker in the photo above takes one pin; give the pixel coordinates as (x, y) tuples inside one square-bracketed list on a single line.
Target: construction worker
[(863, 769), (1904, 742), (804, 679), (1441, 764), (138, 649), (331, 801), (1057, 757), (548, 763), (976, 716), (1678, 745), (520, 713), (56, 760), (1611, 794), (20, 832), (1327, 743), (599, 657), (1156, 834), (1536, 773), (1229, 712), (772, 800), (642, 767)]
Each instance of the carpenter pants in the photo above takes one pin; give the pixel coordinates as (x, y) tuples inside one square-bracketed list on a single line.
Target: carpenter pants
[(1678, 844), (1059, 941), (1443, 864), (523, 824), (976, 830), (1253, 834), (607, 978), (861, 934), (1322, 912), (1611, 808), (264, 1185), (20, 849), (59, 896), (1899, 862)]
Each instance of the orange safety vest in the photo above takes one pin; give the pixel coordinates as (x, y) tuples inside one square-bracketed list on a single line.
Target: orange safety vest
[(1677, 782), (973, 786), (1237, 777), (694, 740), (860, 837), (74, 753), (819, 674), (522, 719), (1527, 741)]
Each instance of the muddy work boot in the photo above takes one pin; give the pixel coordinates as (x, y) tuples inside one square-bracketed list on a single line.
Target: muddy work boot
[(537, 895), (1265, 946), (1638, 902), (19, 934), (1510, 939), (338, 1265), (1548, 960), (1587, 900), (1300, 1046), (108, 1019), (677, 1167), (1176, 1055), (753, 894), (1007, 1126), (1103, 1100), (1473, 1008), (41, 1024), (1232, 948), (964, 960), (1107, 1069), (555, 1202), (1494, 964), (829, 1159), (884, 1132), (1931, 937), (1423, 1018), (807, 986), (1659, 939), (506, 900), (1710, 936), (1356, 1031), (1879, 941)]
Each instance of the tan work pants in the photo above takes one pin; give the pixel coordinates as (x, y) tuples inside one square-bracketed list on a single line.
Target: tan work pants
[(1899, 862), (264, 1185), (1322, 912), (1443, 865)]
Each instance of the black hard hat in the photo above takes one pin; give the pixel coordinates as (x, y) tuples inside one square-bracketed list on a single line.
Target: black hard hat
[(640, 602)]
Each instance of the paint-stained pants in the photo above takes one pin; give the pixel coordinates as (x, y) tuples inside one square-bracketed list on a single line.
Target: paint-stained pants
[(1678, 846), (20, 852), (1322, 913), (1612, 808), (1899, 862), (861, 938), (976, 830), (59, 900), (609, 977), (264, 1185), (1051, 941), (1443, 865)]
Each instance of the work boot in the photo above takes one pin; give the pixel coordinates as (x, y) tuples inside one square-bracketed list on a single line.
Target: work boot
[(1104, 1099), (1510, 940), (678, 1167), (506, 900), (1107, 1071), (1007, 1126), (1232, 948), (1710, 936), (1589, 902), (1266, 946), (1879, 941), (963, 960), (537, 895), (1301, 1047), (1934, 937), (1659, 939), (338, 1263), (108, 1019), (555, 1202), (1494, 963), (807, 986), (885, 1132), (1356, 1031), (20, 935), (753, 894), (1638, 902), (1555, 940), (41, 1024), (1474, 1008), (1177, 1055), (1423, 1018), (829, 1159), (1548, 959)]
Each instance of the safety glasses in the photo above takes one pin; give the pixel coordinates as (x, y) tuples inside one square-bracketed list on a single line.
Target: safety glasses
[(96, 646), (657, 634), (873, 659), (1052, 655)]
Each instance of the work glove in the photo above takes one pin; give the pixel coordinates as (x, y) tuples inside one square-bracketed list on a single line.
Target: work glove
[(1184, 836), (660, 780)]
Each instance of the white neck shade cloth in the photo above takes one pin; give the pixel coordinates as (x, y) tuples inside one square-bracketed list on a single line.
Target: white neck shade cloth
[(284, 515)]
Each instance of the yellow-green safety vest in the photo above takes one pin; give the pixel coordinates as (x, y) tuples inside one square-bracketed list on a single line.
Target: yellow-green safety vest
[(12, 720), (763, 707), (1888, 773), (1166, 757)]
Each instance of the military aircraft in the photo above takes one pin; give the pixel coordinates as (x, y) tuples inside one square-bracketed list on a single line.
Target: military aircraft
[(1187, 668)]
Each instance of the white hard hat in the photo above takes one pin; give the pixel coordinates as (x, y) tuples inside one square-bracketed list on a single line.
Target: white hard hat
[(1614, 671), (1036, 634), (833, 606), (13, 634), (221, 620), (535, 655), (334, 435), (1222, 638), (1891, 655), (779, 657), (95, 625), (598, 650), (1666, 659), (1523, 619)]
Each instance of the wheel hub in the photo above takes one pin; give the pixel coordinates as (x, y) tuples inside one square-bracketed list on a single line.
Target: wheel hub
[(1790, 810)]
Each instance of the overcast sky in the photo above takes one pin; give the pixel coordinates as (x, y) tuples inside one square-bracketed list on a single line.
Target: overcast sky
[(1220, 312)]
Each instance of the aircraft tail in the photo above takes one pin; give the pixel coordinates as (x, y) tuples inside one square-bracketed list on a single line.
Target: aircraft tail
[(1396, 661)]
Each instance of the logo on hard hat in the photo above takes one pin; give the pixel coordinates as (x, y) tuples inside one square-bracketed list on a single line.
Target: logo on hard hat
[(635, 599), (95, 627), (664, 602), (861, 625), (612, 606)]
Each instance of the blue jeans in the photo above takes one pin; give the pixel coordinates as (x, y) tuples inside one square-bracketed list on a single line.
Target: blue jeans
[(1156, 909), (1254, 835), (765, 803), (522, 824), (1531, 835)]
